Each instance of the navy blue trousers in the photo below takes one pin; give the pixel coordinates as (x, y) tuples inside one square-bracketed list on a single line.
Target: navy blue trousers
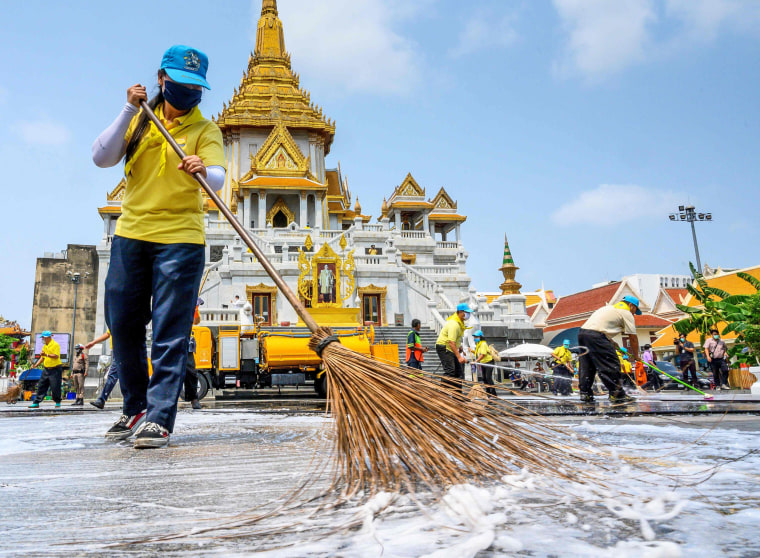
[(159, 282), (111, 378)]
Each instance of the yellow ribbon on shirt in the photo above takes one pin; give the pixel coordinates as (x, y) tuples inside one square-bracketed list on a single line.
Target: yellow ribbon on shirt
[(154, 137)]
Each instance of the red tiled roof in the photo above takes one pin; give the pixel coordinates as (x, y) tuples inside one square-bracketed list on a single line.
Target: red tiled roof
[(677, 294), (531, 310), (567, 325), (650, 320), (583, 302)]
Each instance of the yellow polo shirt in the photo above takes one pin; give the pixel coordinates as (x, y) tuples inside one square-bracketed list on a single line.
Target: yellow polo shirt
[(52, 348), (453, 330), (482, 349), (562, 355), (161, 203)]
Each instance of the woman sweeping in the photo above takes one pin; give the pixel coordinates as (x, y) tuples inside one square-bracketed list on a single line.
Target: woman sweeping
[(158, 251)]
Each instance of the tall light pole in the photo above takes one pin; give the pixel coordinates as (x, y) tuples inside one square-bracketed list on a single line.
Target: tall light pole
[(687, 213), (75, 277)]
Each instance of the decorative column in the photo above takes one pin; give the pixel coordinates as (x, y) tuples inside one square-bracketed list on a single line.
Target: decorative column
[(457, 231), (425, 223), (397, 216), (303, 215), (318, 210), (247, 210), (262, 222)]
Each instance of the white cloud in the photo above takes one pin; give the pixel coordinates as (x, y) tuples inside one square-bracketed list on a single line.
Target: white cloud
[(703, 19), (352, 44), (613, 204), (604, 36), (486, 29), (43, 132), (607, 36)]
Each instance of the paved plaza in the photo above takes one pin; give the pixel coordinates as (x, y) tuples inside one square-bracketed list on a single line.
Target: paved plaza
[(66, 491)]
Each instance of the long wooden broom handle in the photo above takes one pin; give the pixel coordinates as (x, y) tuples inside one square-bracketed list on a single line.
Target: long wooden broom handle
[(271, 271)]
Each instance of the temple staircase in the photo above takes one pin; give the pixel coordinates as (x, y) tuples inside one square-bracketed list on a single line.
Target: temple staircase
[(398, 334)]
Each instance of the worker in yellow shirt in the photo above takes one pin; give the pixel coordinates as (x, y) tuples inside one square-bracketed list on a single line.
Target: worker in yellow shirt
[(483, 356), (50, 359), (563, 369), (625, 366), (158, 251), (449, 347)]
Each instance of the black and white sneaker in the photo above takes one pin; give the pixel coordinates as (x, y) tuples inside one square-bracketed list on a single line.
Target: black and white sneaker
[(151, 435), (125, 426)]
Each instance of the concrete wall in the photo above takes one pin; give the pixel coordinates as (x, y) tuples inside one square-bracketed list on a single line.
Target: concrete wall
[(53, 304)]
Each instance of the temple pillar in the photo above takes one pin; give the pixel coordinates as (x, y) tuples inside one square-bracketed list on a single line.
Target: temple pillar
[(425, 223), (247, 209), (302, 211), (318, 211), (397, 215), (386, 223), (457, 231), (262, 209)]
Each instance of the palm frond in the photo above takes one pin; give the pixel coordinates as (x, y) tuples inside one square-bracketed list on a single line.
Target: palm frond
[(754, 281)]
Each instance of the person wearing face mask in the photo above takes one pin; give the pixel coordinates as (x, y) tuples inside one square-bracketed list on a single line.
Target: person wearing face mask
[(449, 348), (715, 350), (685, 350), (157, 254)]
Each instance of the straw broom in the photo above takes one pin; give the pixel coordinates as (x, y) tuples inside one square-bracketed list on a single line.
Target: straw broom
[(393, 431)]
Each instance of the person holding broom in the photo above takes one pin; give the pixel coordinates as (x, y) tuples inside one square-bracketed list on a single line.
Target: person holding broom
[(596, 335), (483, 356), (158, 252), (448, 346)]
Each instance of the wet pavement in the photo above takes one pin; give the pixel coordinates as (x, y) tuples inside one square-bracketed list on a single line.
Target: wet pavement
[(66, 491)]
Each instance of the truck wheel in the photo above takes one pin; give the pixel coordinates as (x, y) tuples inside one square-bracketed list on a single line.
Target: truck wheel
[(202, 386), (320, 385)]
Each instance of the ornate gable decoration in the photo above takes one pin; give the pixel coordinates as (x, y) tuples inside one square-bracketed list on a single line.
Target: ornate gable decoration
[(442, 200), (118, 193), (279, 156), (409, 188)]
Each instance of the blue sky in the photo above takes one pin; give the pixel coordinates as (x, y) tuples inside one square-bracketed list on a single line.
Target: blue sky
[(573, 126)]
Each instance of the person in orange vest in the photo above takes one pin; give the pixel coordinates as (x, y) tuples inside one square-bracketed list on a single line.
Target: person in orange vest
[(414, 348)]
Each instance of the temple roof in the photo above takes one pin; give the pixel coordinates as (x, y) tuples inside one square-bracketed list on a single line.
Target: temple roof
[(269, 91)]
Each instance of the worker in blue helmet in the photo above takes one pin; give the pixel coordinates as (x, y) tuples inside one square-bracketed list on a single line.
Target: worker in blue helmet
[(483, 356), (449, 348), (563, 369), (597, 335)]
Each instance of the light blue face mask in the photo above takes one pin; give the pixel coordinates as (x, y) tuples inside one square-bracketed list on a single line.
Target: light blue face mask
[(466, 315)]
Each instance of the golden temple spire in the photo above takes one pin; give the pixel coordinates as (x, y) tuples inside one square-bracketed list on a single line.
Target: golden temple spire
[(509, 269), (270, 38)]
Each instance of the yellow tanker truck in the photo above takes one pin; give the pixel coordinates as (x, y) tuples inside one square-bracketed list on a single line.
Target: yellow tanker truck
[(227, 358)]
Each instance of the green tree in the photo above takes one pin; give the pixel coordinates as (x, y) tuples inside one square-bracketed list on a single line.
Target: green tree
[(6, 346), (742, 316), (708, 314)]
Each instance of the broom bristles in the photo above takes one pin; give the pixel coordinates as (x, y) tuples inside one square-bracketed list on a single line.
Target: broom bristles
[(395, 429), (12, 394)]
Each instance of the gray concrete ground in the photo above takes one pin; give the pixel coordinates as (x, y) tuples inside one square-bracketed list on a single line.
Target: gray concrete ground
[(66, 491)]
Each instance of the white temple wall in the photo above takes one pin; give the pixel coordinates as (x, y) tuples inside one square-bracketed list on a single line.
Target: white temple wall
[(251, 141)]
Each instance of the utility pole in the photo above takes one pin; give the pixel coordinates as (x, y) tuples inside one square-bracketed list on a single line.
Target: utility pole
[(687, 213)]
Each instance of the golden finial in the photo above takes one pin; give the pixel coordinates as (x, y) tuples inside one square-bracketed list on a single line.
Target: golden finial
[(343, 242), (308, 243), (357, 207), (384, 207)]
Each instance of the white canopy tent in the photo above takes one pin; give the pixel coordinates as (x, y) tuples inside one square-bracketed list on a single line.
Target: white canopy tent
[(526, 350)]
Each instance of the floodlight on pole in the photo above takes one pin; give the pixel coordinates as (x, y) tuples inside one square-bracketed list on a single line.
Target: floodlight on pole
[(687, 213)]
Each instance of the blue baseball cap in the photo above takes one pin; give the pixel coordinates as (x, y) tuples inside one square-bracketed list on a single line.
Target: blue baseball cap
[(566, 342), (187, 65), (462, 307), (46, 333), (478, 333), (633, 300)]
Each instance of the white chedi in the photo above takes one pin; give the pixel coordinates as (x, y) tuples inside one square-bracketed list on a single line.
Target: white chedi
[(245, 317)]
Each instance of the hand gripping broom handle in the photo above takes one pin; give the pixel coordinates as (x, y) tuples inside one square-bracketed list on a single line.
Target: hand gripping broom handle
[(289, 294)]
